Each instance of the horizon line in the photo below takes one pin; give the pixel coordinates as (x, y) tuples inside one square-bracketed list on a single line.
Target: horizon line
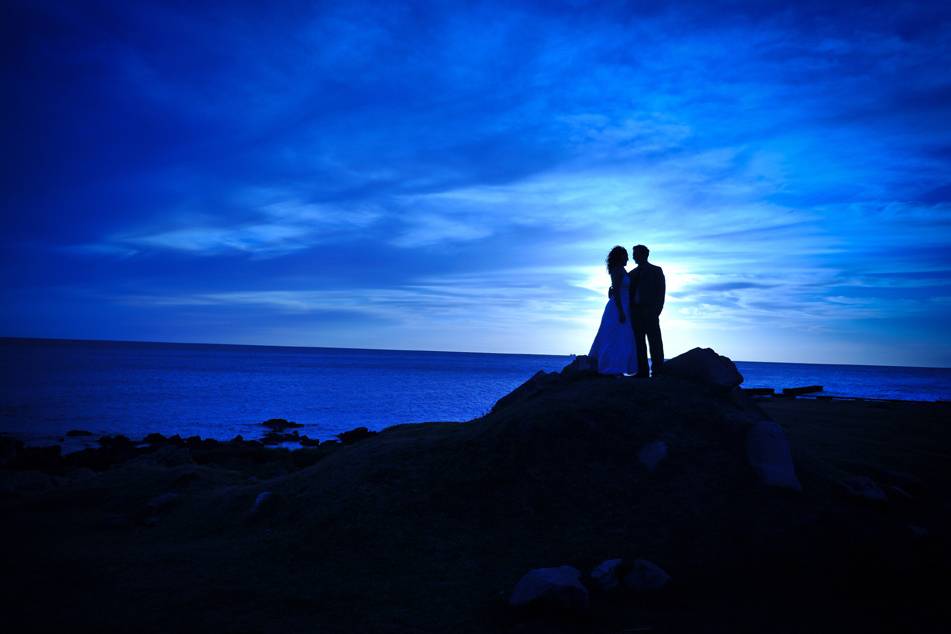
[(4, 339)]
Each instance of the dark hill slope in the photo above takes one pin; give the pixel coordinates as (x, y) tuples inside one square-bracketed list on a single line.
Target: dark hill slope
[(428, 528)]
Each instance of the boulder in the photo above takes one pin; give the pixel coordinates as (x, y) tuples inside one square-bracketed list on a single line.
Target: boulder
[(646, 576), (118, 442), (9, 447), (308, 442), (280, 424), (768, 453), (652, 454), (265, 503), (704, 365), (358, 433), (154, 439), (167, 456), (864, 488), (163, 502), (582, 365), (558, 587), (38, 458), (605, 575), (78, 432)]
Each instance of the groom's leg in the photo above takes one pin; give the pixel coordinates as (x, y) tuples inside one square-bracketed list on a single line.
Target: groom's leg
[(656, 344), (639, 342)]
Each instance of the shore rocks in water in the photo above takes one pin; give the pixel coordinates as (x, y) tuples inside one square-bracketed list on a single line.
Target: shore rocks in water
[(652, 454), (354, 435), (556, 587), (704, 365), (768, 453), (280, 424)]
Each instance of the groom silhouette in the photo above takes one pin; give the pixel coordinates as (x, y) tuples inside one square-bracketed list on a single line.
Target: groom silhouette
[(647, 291)]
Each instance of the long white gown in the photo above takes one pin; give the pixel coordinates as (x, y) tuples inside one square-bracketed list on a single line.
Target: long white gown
[(613, 346)]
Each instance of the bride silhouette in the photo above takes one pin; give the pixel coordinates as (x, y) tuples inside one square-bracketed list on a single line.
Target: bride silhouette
[(613, 346)]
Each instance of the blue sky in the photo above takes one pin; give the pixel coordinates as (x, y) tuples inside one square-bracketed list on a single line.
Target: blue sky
[(451, 175)]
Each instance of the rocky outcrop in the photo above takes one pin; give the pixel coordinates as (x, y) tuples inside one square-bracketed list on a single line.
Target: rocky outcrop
[(646, 576), (704, 365), (556, 587), (280, 424), (767, 451)]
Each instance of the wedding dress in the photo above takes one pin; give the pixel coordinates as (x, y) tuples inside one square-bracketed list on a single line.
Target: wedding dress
[(613, 346)]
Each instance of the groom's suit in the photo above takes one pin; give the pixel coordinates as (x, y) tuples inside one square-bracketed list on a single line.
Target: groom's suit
[(647, 290)]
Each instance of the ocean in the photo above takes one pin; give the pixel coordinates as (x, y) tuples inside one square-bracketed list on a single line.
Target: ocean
[(218, 391)]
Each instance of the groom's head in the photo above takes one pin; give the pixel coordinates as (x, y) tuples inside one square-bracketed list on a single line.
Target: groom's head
[(640, 253)]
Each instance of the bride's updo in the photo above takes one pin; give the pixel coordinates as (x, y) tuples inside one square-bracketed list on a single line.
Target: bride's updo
[(617, 258)]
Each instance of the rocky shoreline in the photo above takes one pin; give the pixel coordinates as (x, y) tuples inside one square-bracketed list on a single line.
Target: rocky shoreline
[(580, 503)]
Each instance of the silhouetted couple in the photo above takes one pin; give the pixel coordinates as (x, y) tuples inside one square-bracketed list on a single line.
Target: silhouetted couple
[(631, 319)]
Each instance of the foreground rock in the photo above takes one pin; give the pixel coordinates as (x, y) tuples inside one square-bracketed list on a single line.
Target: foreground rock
[(646, 576), (556, 587), (605, 575), (705, 366), (768, 453)]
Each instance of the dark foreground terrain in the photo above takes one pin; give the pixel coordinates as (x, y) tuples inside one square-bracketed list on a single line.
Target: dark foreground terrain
[(427, 528)]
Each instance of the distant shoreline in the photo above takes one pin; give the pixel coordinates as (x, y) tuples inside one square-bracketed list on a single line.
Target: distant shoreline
[(55, 340)]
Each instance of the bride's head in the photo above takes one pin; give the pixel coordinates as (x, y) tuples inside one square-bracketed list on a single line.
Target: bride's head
[(617, 258)]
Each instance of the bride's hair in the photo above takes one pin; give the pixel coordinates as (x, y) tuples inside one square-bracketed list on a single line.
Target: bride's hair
[(616, 258)]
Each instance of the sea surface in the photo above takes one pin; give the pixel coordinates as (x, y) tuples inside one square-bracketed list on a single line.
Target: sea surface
[(48, 387)]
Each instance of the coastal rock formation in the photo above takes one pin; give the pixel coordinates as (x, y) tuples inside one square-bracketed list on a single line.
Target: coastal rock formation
[(431, 526), (605, 575), (768, 453), (558, 587), (704, 365), (646, 576)]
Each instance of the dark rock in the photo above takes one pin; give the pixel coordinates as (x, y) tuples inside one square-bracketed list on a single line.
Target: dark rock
[(176, 440), (704, 365), (646, 576), (540, 381), (163, 502), (154, 439), (265, 503), (25, 481), (652, 454), (582, 365), (38, 458), (557, 587), (193, 441), (167, 456), (186, 479), (78, 432), (280, 424), (354, 435), (864, 488), (308, 442), (9, 447), (768, 453), (605, 575), (238, 439), (116, 442)]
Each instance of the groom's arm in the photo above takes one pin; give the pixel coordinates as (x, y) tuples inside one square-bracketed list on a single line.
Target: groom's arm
[(662, 288)]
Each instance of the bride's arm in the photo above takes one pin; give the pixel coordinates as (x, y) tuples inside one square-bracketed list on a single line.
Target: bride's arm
[(617, 284)]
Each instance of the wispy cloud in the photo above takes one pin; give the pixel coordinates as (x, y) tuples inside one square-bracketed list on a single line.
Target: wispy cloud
[(460, 173)]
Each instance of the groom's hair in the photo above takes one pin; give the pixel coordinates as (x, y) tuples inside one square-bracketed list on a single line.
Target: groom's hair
[(640, 249)]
